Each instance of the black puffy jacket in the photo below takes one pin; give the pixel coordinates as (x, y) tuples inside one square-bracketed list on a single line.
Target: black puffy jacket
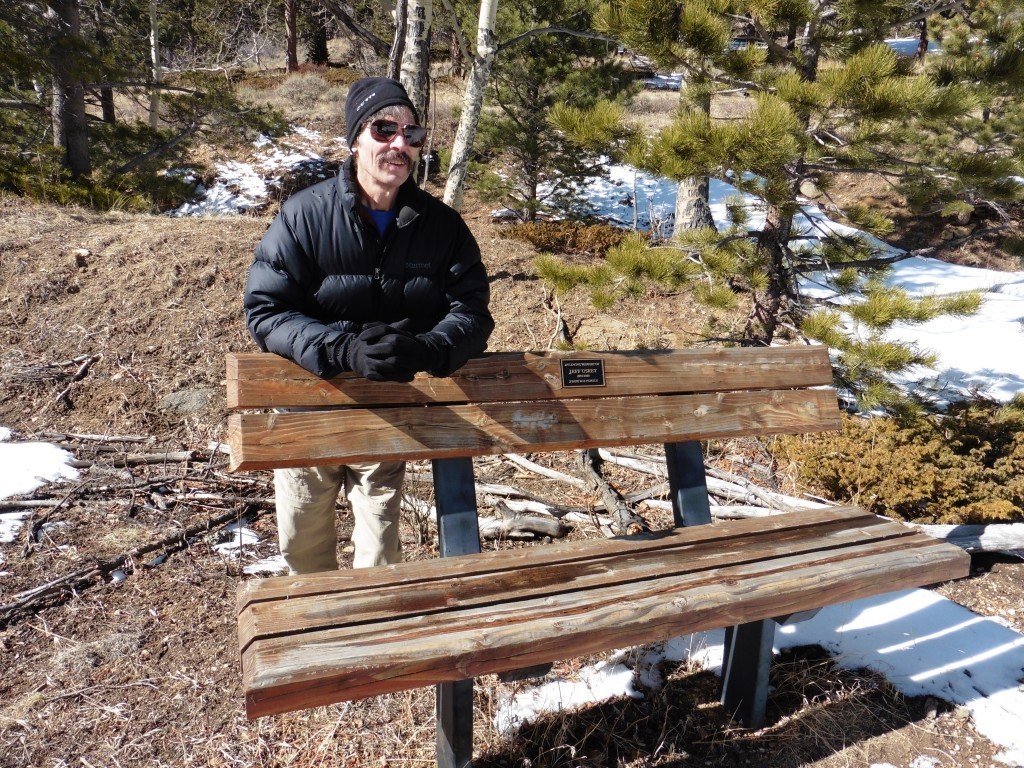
[(322, 272)]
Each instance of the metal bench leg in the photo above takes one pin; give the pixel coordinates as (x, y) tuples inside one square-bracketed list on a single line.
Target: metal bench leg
[(687, 483), (748, 655), (458, 533), (748, 647), (455, 724)]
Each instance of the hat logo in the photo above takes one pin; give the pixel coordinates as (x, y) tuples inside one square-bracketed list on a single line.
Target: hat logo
[(362, 103)]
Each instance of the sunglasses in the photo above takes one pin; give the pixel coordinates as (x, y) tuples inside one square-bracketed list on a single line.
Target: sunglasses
[(386, 130)]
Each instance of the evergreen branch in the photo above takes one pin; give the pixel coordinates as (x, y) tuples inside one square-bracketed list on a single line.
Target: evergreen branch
[(939, 7), (151, 85), (553, 30), (766, 37), (894, 258), (29, 106), (156, 151), (740, 85)]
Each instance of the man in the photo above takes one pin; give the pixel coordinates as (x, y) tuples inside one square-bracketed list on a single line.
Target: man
[(364, 273)]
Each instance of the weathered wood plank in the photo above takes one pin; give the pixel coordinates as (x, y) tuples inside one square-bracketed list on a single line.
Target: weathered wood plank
[(269, 381), (409, 574), (448, 593), (337, 665), (267, 440)]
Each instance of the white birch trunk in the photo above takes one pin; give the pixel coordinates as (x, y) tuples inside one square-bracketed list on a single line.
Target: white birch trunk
[(472, 104), (415, 69), (154, 58)]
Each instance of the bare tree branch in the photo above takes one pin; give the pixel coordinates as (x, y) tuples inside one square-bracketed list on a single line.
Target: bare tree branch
[(556, 31), (379, 46)]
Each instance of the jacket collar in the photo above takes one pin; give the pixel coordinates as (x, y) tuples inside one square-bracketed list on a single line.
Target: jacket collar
[(409, 204)]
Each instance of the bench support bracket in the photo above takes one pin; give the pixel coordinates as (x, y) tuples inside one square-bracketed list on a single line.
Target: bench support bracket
[(745, 665), (458, 533), (748, 647)]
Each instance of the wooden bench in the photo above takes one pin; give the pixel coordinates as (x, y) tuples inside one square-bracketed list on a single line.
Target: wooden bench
[(318, 639)]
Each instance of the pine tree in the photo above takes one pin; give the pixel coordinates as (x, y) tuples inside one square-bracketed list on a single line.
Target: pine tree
[(533, 75), (828, 96), (43, 62)]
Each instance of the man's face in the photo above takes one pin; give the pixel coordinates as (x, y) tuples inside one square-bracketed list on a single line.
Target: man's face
[(381, 163)]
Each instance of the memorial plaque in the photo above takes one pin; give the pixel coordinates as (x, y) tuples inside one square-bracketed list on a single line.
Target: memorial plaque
[(583, 373)]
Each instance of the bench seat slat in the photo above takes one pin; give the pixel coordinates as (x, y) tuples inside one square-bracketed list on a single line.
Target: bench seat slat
[(275, 588), (257, 380), (266, 440), (375, 603), (338, 664)]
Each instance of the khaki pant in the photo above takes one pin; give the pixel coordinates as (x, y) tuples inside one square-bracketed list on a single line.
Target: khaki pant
[(306, 499)]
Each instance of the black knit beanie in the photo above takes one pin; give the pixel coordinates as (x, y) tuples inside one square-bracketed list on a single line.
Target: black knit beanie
[(370, 95)]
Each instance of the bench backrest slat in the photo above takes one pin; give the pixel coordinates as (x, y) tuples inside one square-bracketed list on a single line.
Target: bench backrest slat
[(257, 380), (266, 440)]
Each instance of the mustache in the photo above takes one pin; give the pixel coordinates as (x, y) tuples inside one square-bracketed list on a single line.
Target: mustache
[(394, 157)]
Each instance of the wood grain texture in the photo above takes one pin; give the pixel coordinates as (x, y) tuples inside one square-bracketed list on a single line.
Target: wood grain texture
[(259, 380), (348, 651), (453, 588), (267, 440), (274, 588)]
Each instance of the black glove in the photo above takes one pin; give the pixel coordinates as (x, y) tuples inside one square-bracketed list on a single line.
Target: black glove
[(436, 359), (380, 353)]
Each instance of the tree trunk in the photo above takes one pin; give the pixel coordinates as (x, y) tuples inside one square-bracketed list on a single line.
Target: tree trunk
[(472, 104), (398, 44), (922, 43), (459, 43), (458, 60), (693, 210), (107, 105), (154, 58), (316, 48), (416, 56), (773, 303), (70, 131), (290, 37), (106, 92)]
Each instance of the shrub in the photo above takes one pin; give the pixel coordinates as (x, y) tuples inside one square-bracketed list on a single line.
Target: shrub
[(303, 90), (568, 237), (966, 466)]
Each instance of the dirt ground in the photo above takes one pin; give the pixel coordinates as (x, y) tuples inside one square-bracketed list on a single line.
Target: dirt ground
[(113, 330)]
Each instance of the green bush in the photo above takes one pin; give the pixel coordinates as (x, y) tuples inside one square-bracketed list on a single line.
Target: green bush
[(568, 237), (966, 466)]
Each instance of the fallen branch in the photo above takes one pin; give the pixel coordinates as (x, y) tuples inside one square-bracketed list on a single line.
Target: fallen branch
[(721, 511), (510, 524), (626, 522), (83, 370), (553, 474), (82, 578), (28, 504), (32, 531), (63, 436), (1006, 538), (560, 336)]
